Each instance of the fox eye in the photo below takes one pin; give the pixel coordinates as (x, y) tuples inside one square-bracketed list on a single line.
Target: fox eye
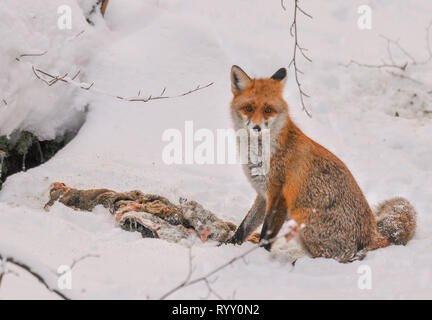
[(248, 108), (268, 110)]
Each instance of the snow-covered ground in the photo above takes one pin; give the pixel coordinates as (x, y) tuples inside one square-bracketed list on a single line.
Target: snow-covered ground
[(178, 44)]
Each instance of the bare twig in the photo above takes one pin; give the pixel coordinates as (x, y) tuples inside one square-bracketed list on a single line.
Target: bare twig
[(89, 255), (30, 55), (29, 269), (76, 75), (414, 61), (298, 48), (378, 66), (87, 87), (3, 266), (404, 76), (410, 60), (50, 79), (3, 273), (288, 235), (211, 290), (76, 36), (40, 78), (57, 78), (161, 96), (188, 276)]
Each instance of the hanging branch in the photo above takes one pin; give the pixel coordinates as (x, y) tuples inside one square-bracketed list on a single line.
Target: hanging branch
[(289, 233), (298, 48)]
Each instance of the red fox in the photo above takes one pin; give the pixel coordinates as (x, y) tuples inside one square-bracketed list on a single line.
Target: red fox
[(308, 183)]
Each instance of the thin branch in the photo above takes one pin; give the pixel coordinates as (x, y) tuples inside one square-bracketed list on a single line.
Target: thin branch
[(50, 79), (211, 290), (57, 78), (377, 66), (403, 76), (405, 51), (288, 235), (193, 90), (76, 75), (298, 48), (302, 11), (3, 265), (393, 65), (88, 87), (75, 261), (37, 76), (30, 55), (76, 36), (2, 274), (34, 274)]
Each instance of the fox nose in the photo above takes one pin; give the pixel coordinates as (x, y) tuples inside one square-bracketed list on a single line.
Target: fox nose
[(257, 128)]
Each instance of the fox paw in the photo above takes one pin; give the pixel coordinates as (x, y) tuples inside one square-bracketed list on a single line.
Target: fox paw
[(235, 239)]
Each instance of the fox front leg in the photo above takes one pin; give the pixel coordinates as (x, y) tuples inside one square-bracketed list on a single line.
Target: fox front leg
[(252, 221), (274, 219)]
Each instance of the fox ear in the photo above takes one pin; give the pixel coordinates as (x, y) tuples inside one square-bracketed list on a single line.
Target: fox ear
[(240, 81), (280, 75)]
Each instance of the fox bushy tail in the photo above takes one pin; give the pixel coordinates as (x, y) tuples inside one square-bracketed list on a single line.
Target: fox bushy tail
[(396, 222)]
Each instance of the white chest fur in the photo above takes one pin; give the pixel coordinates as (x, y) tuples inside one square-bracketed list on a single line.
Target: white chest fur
[(256, 178)]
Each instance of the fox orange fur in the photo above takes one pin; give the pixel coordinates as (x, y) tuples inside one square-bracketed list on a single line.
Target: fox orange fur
[(308, 183)]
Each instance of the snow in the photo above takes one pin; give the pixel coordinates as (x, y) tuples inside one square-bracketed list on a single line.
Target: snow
[(147, 46), (31, 30)]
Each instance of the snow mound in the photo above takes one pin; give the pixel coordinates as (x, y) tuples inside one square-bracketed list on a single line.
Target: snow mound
[(177, 44), (34, 38)]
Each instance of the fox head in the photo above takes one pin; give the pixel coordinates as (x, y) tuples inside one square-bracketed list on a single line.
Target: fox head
[(257, 103)]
